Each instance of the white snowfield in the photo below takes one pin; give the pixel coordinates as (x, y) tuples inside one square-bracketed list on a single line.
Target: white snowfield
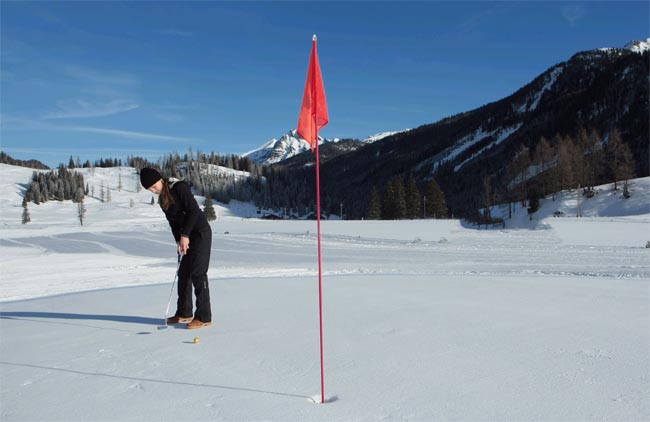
[(424, 320)]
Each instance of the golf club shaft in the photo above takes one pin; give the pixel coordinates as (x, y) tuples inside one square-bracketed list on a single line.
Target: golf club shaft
[(171, 293)]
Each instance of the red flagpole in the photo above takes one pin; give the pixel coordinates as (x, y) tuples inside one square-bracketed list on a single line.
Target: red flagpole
[(313, 116), (320, 260)]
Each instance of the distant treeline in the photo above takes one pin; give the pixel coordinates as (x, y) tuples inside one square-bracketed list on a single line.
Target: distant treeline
[(102, 163), (33, 164), (169, 163)]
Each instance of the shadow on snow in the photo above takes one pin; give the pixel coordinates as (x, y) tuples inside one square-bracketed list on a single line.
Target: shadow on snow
[(250, 390)]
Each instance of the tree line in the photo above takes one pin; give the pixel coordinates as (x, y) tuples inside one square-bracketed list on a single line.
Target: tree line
[(102, 163), (532, 171), (560, 163), (400, 200), (34, 164)]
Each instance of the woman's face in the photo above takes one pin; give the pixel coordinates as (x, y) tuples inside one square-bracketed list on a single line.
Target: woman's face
[(156, 187)]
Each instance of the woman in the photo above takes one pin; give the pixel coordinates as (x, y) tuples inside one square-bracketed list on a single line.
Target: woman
[(194, 239)]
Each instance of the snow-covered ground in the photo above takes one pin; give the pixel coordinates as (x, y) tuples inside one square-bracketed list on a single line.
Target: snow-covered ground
[(424, 320)]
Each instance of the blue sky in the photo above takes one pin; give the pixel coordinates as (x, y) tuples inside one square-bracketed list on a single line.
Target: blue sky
[(111, 79)]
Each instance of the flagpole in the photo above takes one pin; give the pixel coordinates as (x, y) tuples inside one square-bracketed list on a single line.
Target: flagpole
[(320, 260), (313, 116)]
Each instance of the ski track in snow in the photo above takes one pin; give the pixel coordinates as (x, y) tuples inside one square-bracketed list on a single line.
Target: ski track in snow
[(127, 258)]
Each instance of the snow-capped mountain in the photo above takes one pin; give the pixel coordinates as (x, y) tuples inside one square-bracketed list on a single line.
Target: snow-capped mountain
[(276, 150), (291, 144), (638, 46)]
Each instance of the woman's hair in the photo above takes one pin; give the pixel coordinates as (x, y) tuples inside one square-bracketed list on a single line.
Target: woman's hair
[(166, 197)]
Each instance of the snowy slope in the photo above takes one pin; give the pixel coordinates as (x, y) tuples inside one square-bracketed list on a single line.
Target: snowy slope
[(379, 136), (217, 171), (424, 320), (532, 102), (466, 142), (606, 202)]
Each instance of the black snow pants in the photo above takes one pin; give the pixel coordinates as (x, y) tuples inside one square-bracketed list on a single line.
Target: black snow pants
[(194, 272)]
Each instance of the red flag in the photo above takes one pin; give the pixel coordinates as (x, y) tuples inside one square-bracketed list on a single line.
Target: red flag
[(313, 114)]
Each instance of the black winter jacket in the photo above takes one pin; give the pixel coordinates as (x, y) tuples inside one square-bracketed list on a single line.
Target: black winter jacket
[(184, 215)]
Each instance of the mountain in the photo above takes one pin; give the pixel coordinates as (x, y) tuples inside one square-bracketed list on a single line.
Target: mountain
[(638, 46), (275, 151), (291, 145), (597, 90), (326, 150)]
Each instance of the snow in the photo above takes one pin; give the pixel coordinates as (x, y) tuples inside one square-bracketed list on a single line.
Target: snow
[(289, 145), (638, 46), (500, 137), (424, 320), (547, 86), (274, 151), (467, 142), (379, 136), (218, 171)]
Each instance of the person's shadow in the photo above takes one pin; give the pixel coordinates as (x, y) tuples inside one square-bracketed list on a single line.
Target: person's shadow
[(44, 316)]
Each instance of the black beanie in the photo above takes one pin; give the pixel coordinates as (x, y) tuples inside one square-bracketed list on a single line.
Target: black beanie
[(148, 177)]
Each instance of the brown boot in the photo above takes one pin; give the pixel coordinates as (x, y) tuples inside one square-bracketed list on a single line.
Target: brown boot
[(178, 320), (197, 324)]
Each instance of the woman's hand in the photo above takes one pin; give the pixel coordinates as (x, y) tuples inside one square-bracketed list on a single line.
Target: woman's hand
[(183, 245)]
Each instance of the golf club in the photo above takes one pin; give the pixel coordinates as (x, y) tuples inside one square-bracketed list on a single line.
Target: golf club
[(171, 293)]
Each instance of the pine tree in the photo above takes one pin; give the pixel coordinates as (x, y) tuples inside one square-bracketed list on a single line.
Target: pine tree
[(26, 217), (564, 157), (594, 159), (35, 193), (413, 202), (81, 208), (400, 198), (487, 198), (580, 162), (388, 205), (208, 209), (542, 158), (374, 208), (626, 168), (519, 170), (437, 205), (615, 149)]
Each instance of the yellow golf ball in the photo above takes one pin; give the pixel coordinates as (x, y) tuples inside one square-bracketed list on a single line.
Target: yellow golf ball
[(196, 340)]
